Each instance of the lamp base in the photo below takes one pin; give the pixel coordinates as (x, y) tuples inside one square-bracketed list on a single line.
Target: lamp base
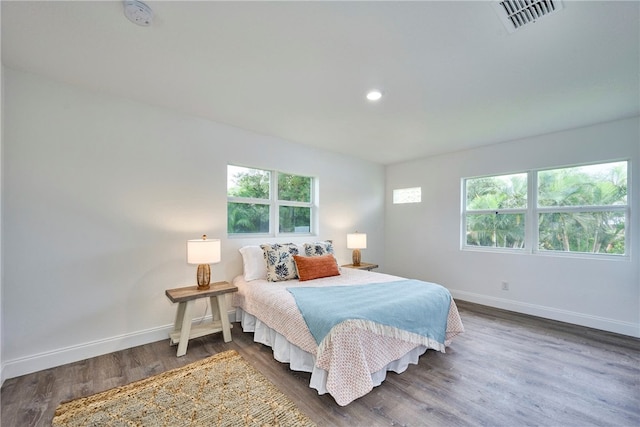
[(355, 257), (204, 276)]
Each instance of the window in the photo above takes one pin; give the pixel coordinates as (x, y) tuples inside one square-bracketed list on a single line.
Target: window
[(407, 195), (578, 209), (261, 201), (583, 209), (496, 210)]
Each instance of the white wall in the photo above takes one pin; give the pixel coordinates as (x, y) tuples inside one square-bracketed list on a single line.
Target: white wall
[(423, 240), (1, 244), (1, 187), (100, 195)]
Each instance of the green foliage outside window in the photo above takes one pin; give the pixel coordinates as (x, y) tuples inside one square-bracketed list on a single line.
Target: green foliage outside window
[(249, 183), (250, 203), (496, 230), (294, 188), (247, 218), (579, 209), (583, 228), (594, 232), (495, 194), (294, 219), (597, 185)]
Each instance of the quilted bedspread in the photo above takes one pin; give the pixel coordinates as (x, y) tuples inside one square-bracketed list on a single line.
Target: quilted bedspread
[(422, 317), (353, 353)]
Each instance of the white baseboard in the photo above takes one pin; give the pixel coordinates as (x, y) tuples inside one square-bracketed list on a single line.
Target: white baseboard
[(62, 356), (37, 362), (596, 322)]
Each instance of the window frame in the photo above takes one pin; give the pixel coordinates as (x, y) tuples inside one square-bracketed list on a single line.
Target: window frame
[(274, 204), (524, 211), (532, 215), (403, 191)]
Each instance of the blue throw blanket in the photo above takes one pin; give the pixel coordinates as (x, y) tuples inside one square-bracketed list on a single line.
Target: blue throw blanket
[(418, 307)]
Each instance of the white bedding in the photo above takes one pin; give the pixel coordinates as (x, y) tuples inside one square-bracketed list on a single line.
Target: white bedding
[(353, 363)]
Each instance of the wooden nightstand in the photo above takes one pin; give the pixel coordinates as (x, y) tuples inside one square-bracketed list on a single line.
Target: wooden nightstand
[(362, 266), (186, 297)]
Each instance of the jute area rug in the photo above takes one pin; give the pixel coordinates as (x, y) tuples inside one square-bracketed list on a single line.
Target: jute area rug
[(222, 390)]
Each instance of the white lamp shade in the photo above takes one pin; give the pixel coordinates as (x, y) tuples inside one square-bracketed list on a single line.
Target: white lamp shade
[(357, 241), (203, 251)]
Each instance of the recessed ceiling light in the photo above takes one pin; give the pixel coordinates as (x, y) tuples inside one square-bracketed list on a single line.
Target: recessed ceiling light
[(374, 95)]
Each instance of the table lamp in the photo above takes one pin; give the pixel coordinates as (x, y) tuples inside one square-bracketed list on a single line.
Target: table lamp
[(203, 252), (356, 241)]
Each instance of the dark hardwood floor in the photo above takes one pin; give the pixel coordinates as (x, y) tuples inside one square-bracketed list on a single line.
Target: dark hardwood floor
[(508, 369)]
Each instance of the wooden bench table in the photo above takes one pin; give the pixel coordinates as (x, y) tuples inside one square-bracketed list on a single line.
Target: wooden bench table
[(186, 297)]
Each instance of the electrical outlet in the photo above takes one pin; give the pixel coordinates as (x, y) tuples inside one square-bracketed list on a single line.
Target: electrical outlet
[(505, 285)]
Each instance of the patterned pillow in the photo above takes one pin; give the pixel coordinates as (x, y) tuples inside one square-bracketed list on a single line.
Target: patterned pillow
[(280, 263), (318, 248)]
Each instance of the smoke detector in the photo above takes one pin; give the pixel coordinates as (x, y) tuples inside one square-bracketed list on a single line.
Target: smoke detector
[(138, 12), (515, 14)]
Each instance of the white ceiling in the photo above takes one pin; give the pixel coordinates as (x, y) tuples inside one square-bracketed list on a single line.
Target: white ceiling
[(452, 76)]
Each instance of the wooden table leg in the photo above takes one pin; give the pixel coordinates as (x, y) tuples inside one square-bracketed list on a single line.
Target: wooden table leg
[(186, 326), (223, 316), (177, 323)]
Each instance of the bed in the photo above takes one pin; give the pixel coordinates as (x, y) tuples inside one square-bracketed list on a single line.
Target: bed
[(355, 355)]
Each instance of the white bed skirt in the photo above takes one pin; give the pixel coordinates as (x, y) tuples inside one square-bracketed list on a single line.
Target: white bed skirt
[(300, 360)]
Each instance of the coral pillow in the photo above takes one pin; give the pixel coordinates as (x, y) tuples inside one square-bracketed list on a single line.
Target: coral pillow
[(316, 267)]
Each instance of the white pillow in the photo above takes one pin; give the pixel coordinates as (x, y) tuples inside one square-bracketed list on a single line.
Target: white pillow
[(253, 262)]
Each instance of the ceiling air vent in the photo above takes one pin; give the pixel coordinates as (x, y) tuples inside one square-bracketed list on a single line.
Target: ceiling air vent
[(515, 14)]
